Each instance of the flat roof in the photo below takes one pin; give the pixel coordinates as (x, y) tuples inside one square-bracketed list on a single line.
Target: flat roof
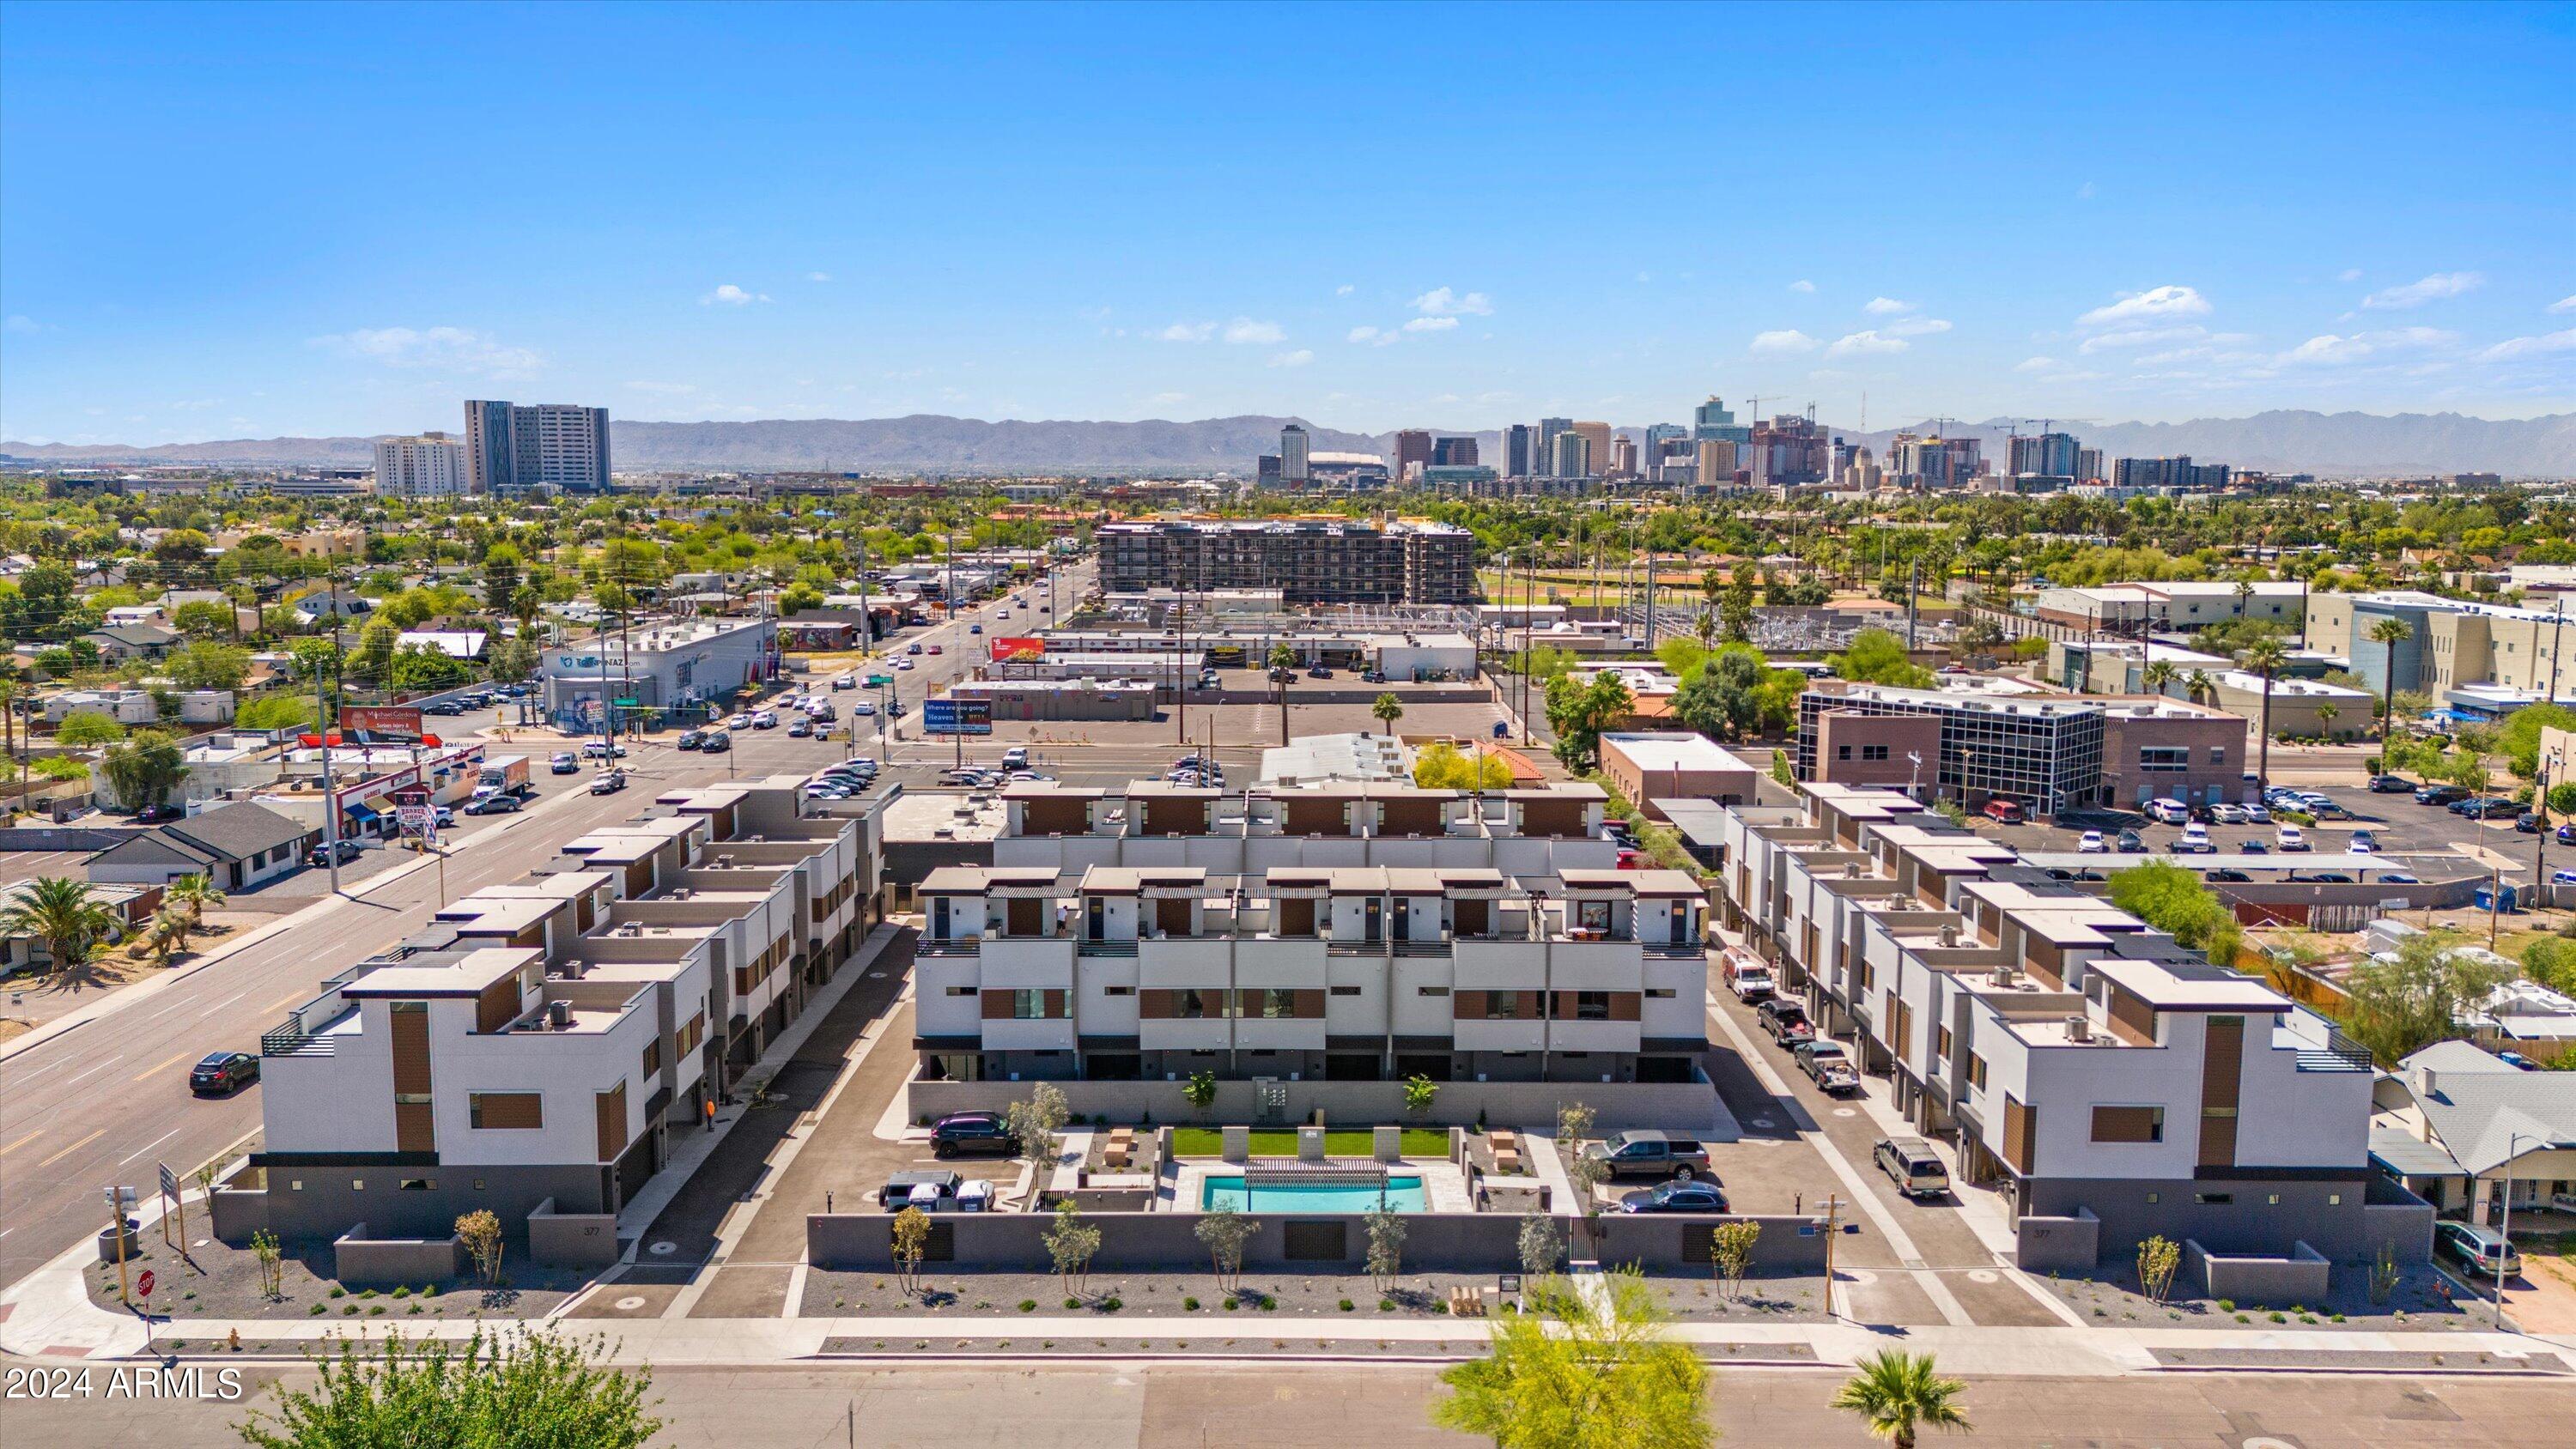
[(1673, 750)]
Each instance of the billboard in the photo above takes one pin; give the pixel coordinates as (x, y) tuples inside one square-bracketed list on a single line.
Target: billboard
[(1006, 650), (957, 716), (381, 724)]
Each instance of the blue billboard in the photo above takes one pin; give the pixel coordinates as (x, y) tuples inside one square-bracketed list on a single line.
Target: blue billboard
[(957, 716)]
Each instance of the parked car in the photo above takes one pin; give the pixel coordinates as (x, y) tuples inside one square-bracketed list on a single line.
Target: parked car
[(443, 707), (2195, 841), (1786, 1021), (2565, 834), (2258, 814), (2362, 843), (2226, 814), (497, 803), (2003, 812), (2290, 837), (2235, 877), (564, 762), (2091, 842), (2131, 842), (898, 1189), (2391, 785), (2168, 812), (1828, 1066), (689, 740), (321, 855), (2440, 794), (608, 782), (968, 1133), (2528, 822), (1646, 1152), (716, 743), (2324, 807), (1676, 1197), (2492, 807), (1910, 1161), (764, 719), (2398, 877), (221, 1074), (2480, 1249), (602, 750), (2320, 877), (1745, 974)]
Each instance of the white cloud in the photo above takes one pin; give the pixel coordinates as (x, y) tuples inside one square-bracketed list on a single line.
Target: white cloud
[(818, 276), (2166, 301), (2349, 274), (1166, 399), (1916, 327), (672, 389), (1245, 330), (1788, 339), (2431, 289), (2141, 337), (1886, 306), (1866, 344), (2035, 364), (1298, 358), (1344, 290), (2329, 348), (2531, 346), (1802, 285), (1361, 334), (1188, 332), (731, 296), (2086, 192), (450, 349), (25, 325), (1441, 302), (1431, 324), (2563, 304)]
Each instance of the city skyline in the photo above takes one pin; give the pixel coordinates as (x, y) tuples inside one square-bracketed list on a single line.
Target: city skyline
[(1085, 219)]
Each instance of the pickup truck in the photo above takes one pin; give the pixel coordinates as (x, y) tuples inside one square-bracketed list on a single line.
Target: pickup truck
[(1786, 1021), (1828, 1066), (1646, 1153)]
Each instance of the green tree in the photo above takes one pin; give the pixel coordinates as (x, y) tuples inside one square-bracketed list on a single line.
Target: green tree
[(275, 712), (195, 894), (2159, 676), (1071, 1244), (2175, 900), (1225, 1231), (2388, 634), (1579, 713), (2518, 738), (62, 913), (501, 575), (1736, 611), (1896, 1393), (1581, 1371), (2562, 799), (1387, 709), (2551, 961), (86, 729), (2265, 657), (418, 667), (2398, 1006), (144, 769), (203, 619), (1034, 1124), (317, 658), (1440, 765), (526, 1386), (1200, 1092), (1878, 657), (208, 666)]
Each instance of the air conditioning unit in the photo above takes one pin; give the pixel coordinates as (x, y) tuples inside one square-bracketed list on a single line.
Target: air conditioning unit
[(558, 1015), (2079, 1028), (1949, 934), (2004, 976)]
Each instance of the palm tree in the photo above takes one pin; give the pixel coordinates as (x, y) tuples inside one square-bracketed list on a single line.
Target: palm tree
[(1388, 710), (2160, 675), (197, 893), (2388, 634), (2265, 657), (2244, 595), (1282, 658), (60, 912), (1895, 1392), (2200, 685), (2325, 719)]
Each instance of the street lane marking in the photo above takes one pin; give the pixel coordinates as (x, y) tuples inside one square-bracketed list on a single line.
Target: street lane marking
[(102, 1066), (23, 1141), (75, 1147), (283, 1002), (172, 1062), (148, 1146)]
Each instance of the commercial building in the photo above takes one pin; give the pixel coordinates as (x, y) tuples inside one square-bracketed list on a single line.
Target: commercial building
[(2048, 455), (1331, 932), (682, 670), (430, 466), (1786, 452), (1294, 467), (1716, 463), (1309, 560), (2111, 1083), (2169, 749), (2175, 606), (1597, 450), (1520, 445), (513, 448), (2477, 660), (1573, 457), (2042, 752), (532, 1049), (2167, 473), (1452, 452), (1412, 450), (1932, 463), (1677, 763), (1711, 421)]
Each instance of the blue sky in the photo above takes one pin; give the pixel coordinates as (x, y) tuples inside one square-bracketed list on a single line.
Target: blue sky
[(228, 221)]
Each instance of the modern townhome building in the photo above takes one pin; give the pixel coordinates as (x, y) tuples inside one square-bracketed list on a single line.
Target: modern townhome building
[(539, 1042), (1339, 931), (2086, 1065)]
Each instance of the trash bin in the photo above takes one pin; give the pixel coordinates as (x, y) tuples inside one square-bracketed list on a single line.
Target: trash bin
[(975, 1197)]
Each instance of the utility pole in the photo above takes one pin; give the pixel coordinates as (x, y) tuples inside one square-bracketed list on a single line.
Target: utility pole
[(1833, 1206), (322, 714), (1913, 599)]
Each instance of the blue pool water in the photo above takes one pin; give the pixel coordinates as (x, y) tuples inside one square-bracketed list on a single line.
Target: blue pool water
[(1404, 1194)]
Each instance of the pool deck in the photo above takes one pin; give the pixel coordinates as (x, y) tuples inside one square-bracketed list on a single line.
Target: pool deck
[(1444, 1188)]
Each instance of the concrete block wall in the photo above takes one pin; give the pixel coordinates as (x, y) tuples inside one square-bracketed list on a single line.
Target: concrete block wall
[(1151, 1241), (2299, 1278), (1662, 1242), (2047, 1245), (1617, 1106), (359, 1261), (571, 1240)]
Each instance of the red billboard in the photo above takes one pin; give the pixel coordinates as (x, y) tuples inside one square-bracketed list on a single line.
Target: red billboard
[(1006, 650), (382, 723)]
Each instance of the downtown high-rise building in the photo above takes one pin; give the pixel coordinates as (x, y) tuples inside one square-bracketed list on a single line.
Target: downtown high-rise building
[(1712, 419), (1520, 446), (1453, 452), (1294, 468), (2047, 455), (430, 466), (1716, 462), (1596, 439), (2088, 466), (1663, 440), (1572, 457), (1549, 430), (510, 448), (1412, 450)]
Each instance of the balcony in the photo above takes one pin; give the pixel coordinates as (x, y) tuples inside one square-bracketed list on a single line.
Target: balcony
[(949, 946), (1675, 950), (1104, 949)]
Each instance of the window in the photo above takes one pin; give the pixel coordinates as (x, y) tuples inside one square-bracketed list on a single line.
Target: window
[(1941, 1042), (1275, 1003), (1976, 1071), (1660, 993), (963, 991), (2218, 754), (1346, 991), (1431, 991), (495, 1110), (1502, 1005), (1873, 752), (1118, 991), (2164, 759), (2213, 1199), (1592, 915), (1592, 1006), (1028, 1006), (652, 1056), (2128, 1124), (357, 1184), (295, 1184), (1192, 1004), (1842, 752)]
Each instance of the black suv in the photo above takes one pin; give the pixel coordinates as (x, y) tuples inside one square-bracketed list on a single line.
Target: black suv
[(2439, 794), (969, 1133), (223, 1073), (689, 740)]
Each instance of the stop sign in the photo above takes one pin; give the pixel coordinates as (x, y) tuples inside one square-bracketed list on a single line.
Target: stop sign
[(143, 1285)]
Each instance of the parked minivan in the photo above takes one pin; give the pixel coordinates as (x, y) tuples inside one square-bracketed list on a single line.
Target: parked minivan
[(1917, 1170)]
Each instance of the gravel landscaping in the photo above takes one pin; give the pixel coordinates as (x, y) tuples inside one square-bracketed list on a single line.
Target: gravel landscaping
[(2418, 1305), (216, 1281), (1263, 1297)]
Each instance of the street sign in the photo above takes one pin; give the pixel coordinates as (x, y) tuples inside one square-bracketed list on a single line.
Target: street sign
[(143, 1285), (169, 1181)]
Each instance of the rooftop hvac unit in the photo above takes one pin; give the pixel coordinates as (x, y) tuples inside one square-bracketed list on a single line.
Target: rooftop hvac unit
[(558, 1015), (574, 969), (1949, 934), (2079, 1028)]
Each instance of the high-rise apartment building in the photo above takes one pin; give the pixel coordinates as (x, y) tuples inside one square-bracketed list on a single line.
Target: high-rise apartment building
[(1786, 451), (1934, 462), (430, 466), (1716, 463), (1520, 442), (1549, 430), (1310, 561), (1623, 458), (1573, 457), (1597, 437), (2167, 473), (2049, 455), (1293, 465), (2088, 465), (513, 448), (1660, 438), (1453, 452), (1412, 449), (1713, 420)]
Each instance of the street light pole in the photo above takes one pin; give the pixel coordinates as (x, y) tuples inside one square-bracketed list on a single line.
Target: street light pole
[(2512, 1145)]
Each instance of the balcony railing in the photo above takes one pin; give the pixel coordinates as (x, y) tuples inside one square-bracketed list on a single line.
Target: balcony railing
[(953, 946), (1433, 947), (1104, 948), (1675, 950)]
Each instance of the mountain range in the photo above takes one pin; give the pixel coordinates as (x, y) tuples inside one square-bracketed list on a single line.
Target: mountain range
[(2334, 444)]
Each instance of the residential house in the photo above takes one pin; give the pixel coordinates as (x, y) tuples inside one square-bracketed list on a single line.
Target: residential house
[(238, 846)]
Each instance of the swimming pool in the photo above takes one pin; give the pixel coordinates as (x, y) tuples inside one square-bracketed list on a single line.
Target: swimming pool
[(1404, 1194)]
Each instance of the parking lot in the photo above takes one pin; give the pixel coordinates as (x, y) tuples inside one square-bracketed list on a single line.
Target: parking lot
[(2414, 834)]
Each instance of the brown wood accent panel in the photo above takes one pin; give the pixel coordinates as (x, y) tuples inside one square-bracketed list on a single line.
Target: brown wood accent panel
[(721, 822), (1551, 817), (525, 1110), (1176, 817), (1531, 1006), (1317, 817), (2045, 960), (1307, 1004), (1411, 817), (2127, 1124), (415, 1127), (1467, 1005), (410, 1041), (1172, 916), (2021, 1134), (1055, 817), (498, 1005), (1025, 916), (584, 914), (2132, 1019), (610, 1108), (639, 877), (1472, 916), (1626, 1005), (1053, 1004), (2222, 1062), (1900, 1024), (1153, 1004), (997, 1005), (1296, 917)]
